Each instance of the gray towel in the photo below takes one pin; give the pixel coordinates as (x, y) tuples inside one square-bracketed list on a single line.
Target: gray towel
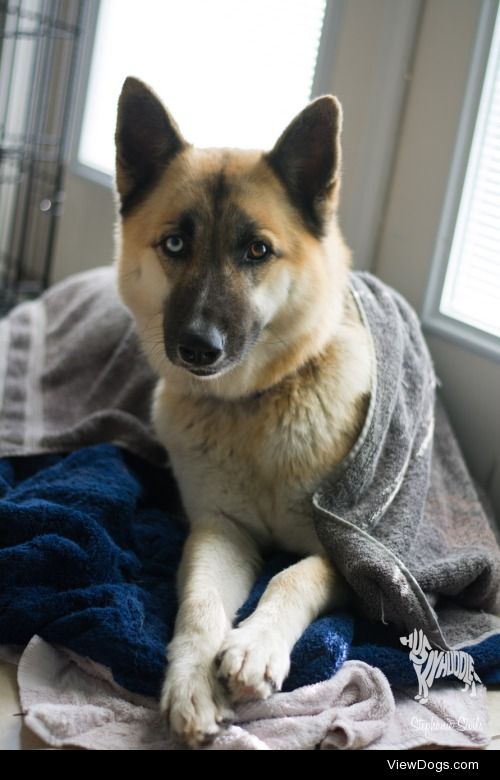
[(400, 517), (72, 373)]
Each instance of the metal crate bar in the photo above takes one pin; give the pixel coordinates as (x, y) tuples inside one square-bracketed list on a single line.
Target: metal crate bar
[(38, 55)]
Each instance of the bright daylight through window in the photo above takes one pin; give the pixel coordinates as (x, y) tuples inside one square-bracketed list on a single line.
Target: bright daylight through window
[(232, 73), (471, 292)]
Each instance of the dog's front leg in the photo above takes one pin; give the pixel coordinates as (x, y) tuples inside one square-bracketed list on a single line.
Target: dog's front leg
[(218, 568), (255, 657)]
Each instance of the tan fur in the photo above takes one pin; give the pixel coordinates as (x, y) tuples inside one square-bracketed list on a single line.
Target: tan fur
[(312, 278), (250, 446)]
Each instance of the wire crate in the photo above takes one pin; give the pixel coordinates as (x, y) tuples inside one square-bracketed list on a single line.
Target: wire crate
[(38, 55)]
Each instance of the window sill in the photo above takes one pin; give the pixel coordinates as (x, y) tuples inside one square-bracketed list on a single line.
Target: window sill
[(93, 175), (464, 335)]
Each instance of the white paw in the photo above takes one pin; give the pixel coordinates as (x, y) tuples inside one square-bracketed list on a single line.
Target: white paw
[(193, 703), (252, 663)]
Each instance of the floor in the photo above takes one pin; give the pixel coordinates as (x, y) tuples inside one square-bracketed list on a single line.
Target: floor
[(14, 736)]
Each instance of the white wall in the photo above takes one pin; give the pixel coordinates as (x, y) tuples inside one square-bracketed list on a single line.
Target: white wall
[(470, 382), (85, 235)]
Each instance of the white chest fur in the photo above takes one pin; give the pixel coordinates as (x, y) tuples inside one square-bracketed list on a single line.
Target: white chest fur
[(258, 460)]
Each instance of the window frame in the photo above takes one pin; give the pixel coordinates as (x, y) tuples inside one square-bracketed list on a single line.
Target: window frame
[(87, 44), (434, 321), (321, 77)]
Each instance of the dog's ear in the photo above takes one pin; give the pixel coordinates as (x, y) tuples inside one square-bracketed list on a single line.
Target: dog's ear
[(147, 139), (307, 159)]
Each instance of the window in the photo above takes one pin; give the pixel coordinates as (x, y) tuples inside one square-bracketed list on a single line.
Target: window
[(472, 285), (232, 73), (468, 290)]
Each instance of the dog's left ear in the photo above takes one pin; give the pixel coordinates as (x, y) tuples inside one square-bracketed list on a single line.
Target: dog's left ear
[(307, 159)]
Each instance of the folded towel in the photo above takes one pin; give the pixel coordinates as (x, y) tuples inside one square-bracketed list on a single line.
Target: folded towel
[(69, 700), (89, 547), (65, 372), (400, 517)]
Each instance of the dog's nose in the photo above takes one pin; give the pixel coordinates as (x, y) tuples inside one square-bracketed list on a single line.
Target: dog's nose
[(199, 347)]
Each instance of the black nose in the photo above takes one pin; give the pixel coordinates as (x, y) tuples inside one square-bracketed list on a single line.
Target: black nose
[(200, 347)]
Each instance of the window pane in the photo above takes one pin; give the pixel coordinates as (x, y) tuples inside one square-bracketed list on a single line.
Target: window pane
[(233, 73), (472, 286)]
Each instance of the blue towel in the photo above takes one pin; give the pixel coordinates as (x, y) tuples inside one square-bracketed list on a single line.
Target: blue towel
[(89, 547)]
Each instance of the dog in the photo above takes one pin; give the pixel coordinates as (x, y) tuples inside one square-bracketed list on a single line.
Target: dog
[(431, 665), (237, 275)]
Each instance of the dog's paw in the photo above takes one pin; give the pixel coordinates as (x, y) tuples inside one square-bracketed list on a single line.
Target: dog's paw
[(252, 663), (194, 706)]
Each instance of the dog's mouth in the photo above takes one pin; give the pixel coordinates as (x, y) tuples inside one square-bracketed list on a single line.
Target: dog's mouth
[(222, 366), (212, 372), (204, 373)]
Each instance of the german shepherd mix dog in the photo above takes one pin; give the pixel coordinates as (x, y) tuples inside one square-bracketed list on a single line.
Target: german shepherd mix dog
[(234, 268)]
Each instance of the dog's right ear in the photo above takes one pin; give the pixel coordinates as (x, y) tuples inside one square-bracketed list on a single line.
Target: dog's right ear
[(147, 139)]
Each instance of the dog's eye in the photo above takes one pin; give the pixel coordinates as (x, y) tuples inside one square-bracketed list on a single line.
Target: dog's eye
[(258, 250), (173, 245)]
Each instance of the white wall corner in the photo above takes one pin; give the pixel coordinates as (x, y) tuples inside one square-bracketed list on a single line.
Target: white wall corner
[(365, 59)]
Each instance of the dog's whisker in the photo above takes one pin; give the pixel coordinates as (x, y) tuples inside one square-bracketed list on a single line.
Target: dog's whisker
[(279, 339)]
